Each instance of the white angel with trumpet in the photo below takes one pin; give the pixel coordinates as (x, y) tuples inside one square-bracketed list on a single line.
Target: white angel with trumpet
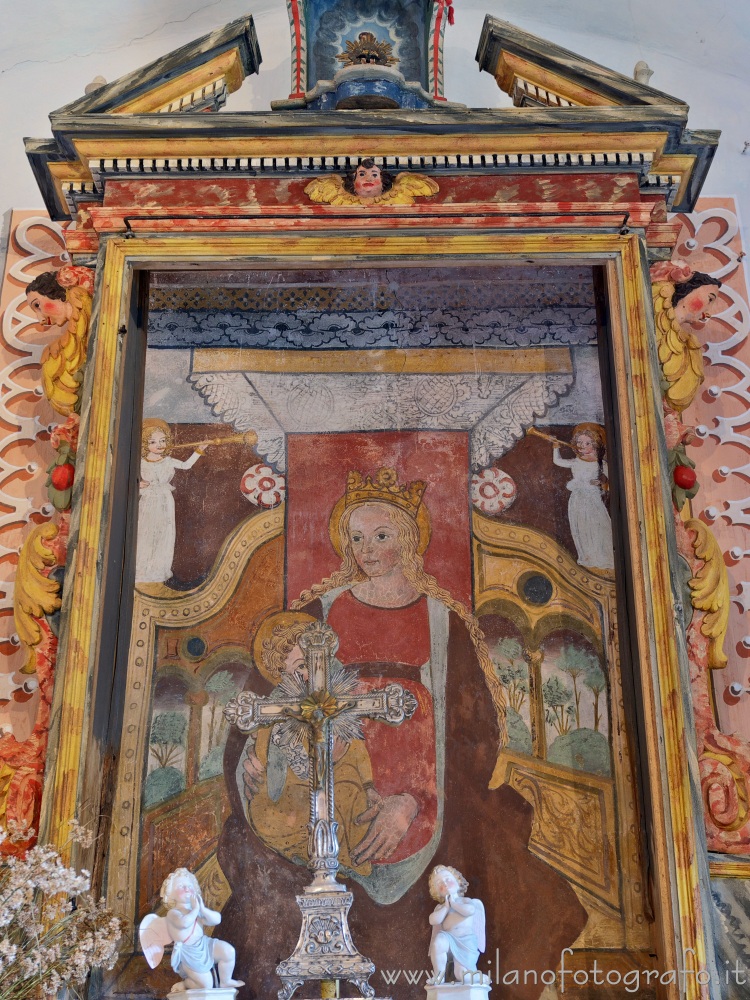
[(157, 530)]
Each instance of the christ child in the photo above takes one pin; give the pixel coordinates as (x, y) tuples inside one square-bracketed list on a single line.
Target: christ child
[(276, 768)]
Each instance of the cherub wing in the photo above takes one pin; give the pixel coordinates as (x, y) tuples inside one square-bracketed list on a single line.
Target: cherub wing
[(407, 187), (479, 924), (330, 191), (153, 934)]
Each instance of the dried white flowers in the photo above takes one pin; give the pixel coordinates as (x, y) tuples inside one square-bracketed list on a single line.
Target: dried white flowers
[(52, 933)]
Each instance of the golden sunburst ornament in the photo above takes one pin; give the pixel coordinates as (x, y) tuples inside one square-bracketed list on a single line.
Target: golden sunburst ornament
[(367, 50)]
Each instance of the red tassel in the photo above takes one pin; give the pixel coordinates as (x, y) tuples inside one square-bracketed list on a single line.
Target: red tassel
[(451, 16)]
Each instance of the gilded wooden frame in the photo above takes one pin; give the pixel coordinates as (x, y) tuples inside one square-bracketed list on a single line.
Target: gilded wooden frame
[(674, 844)]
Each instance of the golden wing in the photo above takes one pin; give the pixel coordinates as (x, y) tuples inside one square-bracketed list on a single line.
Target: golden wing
[(330, 191), (407, 187)]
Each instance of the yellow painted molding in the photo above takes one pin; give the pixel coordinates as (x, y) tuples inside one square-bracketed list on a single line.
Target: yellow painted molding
[(677, 164), (81, 639), (388, 361), (69, 170), (367, 144), (731, 868), (664, 719)]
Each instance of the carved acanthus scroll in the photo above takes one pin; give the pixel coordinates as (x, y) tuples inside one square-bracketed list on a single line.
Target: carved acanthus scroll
[(709, 590), (35, 594)]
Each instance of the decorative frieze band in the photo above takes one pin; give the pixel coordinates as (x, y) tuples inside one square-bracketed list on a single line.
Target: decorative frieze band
[(295, 164)]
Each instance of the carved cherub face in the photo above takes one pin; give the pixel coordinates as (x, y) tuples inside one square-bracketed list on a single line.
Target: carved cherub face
[(180, 889), (368, 182), (446, 883), (182, 892), (49, 312), (699, 305)]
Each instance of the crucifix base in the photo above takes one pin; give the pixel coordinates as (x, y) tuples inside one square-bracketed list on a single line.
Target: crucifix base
[(325, 949)]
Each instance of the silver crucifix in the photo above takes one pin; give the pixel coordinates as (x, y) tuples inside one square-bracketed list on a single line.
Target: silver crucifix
[(326, 705)]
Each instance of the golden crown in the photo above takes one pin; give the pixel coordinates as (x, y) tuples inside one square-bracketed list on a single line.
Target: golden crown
[(367, 49), (384, 487)]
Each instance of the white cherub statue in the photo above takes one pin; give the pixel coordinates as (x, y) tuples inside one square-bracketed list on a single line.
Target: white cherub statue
[(193, 954), (457, 927)]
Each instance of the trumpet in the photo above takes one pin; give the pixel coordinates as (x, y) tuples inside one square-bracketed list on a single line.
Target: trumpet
[(548, 437), (249, 438)]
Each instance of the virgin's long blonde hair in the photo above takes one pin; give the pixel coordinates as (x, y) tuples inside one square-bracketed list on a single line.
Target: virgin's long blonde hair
[(412, 565)]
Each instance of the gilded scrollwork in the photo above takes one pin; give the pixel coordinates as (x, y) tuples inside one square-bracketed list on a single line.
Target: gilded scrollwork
[(709, 589), (725, 789), (36, 594)]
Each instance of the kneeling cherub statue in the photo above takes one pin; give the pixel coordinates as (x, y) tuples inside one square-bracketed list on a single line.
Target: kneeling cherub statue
[(194, 955), (458, 928)]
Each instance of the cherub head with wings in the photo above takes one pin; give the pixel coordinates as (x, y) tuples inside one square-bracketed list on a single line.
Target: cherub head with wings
[(369, 184), (368, 180)]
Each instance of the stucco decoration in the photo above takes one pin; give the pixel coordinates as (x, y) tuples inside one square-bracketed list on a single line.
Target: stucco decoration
[(34, 547), (712, 543)]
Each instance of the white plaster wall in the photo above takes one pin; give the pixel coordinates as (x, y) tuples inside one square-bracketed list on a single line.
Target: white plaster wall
[(50, 50)]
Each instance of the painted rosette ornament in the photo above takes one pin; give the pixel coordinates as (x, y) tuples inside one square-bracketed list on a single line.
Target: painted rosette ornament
[(492, 491), (263, 487)]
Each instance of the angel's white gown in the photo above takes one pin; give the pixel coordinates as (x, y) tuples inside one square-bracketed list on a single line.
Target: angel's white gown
[(590, 525), (156, 519)]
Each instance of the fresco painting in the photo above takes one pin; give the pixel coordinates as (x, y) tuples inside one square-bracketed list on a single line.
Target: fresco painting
[(371, 480)]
